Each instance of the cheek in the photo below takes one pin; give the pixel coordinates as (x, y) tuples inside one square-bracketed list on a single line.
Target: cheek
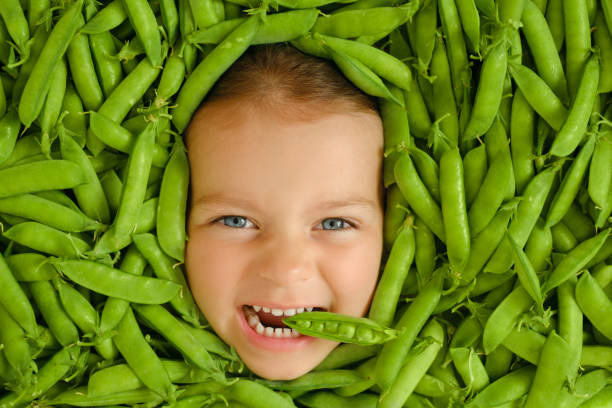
[(211, 271), (352, 277)]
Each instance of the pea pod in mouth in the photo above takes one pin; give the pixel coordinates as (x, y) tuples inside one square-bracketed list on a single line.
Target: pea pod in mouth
[(340, 327)]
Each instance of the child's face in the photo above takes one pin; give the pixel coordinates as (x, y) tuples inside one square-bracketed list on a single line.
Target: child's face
[(286, 216)]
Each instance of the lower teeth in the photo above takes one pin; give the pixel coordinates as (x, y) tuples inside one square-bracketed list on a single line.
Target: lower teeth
[(278, 332)]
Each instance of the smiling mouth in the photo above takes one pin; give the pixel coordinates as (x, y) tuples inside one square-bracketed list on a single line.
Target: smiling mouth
[(269, 322)]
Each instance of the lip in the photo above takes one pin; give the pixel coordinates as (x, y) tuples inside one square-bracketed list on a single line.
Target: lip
[(271, 343)]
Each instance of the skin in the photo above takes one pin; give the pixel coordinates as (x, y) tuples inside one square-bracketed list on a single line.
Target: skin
[(285, 249)]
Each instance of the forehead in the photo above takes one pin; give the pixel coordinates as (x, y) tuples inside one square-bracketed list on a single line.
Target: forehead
[(241, 148), (230, 115)]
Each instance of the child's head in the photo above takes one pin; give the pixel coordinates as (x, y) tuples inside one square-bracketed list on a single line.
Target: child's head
[(286, 207)]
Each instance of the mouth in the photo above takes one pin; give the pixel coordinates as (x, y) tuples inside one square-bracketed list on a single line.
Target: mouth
[(268, 322)]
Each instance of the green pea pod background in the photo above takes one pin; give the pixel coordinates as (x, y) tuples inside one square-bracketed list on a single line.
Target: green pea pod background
[(447, 75)]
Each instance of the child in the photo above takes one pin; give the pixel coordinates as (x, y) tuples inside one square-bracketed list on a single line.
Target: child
[(286, 206)]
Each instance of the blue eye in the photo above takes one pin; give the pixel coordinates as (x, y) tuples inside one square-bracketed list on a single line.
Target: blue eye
[(335, 224), (234, 221)]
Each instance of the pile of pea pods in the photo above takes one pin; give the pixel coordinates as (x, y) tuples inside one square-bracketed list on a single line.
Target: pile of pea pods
[(495, 287)]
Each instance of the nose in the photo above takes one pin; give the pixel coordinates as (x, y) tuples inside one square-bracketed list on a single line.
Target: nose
[(286, 260)]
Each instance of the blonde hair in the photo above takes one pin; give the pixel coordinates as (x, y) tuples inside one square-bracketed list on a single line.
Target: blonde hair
[(296, 86)]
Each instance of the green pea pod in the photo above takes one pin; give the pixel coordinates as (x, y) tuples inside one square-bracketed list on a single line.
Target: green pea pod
[(522, 140), (146, 221), (457, 53), (454, 214), (30, 267), (361, 75), (168, 326), (285, 26), (574, 128), (40, 176), (47, 300), (77, 307), (134, 188), (427, 169), (74, 115), (540, 95), (112, 282), (143, 20), (417, 195), (490, 196), (46, 239), (539, 246), (470, 22), (15, 301), (587, 386), (425, 251), (506, 389), (526, 273), (141, 357), (316, 380), (355, 23), (173, 203), (47, 212), (527, 214), (37, 85), (425, 24), (418, 116), (52, 372), (2, 99), (108, 68), (603, 40), (79, 397), (395, 214), (381, 63), (16, 348), (505, 316), (210, 69), (474, 172), (489, 92), (16, 24), (393, 353), (414, 367), (485, 243), (51, 109), (572, 180), (396, 132), (89, 195), (118, 137), (111, 16), (9, 131), (394, 274), (550, 374), (117, 105), (164, 268), (470, 368), (570, 325), (542, 46), (577, 42), (575, 260), (343, 328), (169, 14), (243, 391), (217, 32), (172, 78), (83, 72), (600, 171), (445, 108)]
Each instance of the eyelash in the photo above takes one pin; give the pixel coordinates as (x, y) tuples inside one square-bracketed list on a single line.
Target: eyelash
[(349, 224)]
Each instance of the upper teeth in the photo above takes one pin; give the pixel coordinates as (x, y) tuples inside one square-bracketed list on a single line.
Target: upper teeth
[(282, 312)]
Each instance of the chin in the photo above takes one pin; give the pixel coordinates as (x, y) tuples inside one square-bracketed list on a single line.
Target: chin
[(282, 370)]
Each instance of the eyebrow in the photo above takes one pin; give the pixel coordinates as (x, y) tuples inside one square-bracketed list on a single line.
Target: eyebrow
[(221, 200)]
